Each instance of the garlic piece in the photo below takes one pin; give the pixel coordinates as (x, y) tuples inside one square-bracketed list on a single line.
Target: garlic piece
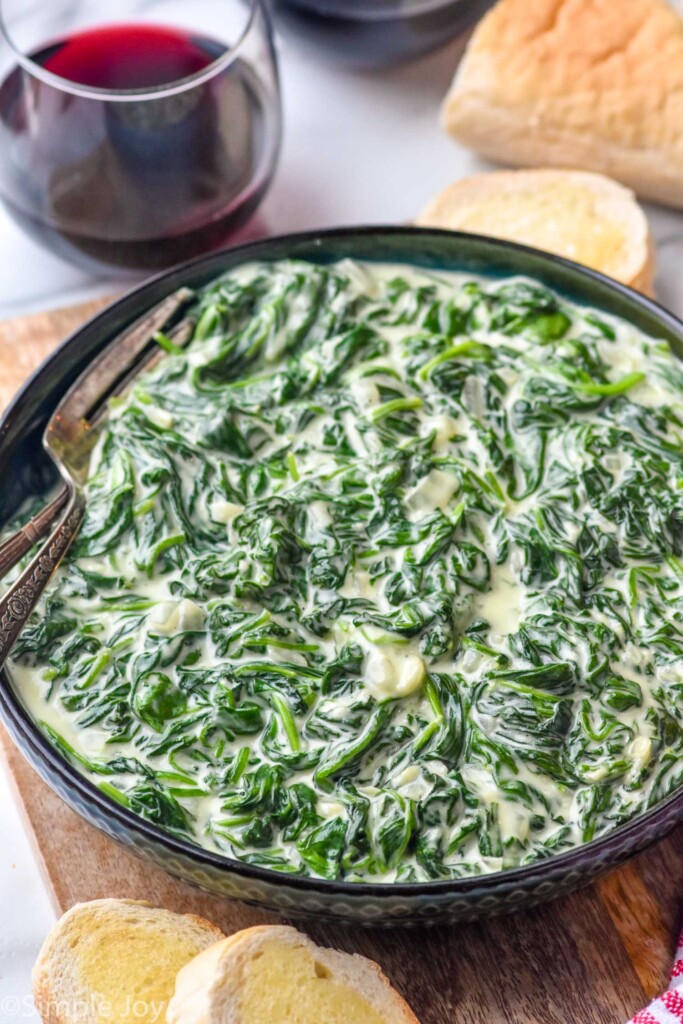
[(164, 618), (444, 427), (392, 674), (330, 809), (380, 673), (641, 752), (176, 617), (222, 511), (408, 775), (413, 672)]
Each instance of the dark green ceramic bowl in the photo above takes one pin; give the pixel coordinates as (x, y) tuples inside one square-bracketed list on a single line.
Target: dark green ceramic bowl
[(25, 470)]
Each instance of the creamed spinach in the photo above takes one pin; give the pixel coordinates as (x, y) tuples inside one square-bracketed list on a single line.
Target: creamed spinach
[(380, 579)]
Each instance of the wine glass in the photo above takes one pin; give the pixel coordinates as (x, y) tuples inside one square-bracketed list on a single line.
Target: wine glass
[(136, 133)]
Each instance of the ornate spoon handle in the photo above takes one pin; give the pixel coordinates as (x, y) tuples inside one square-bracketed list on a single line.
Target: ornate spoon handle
[(15, 547), (22, 597)]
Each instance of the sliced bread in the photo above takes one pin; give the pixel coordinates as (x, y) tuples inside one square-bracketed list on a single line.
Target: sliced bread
[(591, 84), (275, 974), (115, 961), (585, 217)]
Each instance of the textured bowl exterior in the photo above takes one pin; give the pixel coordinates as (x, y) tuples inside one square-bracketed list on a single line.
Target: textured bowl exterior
[(24, 472)]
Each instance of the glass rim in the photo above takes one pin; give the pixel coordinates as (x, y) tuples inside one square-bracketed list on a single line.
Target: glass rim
[(180, 85)]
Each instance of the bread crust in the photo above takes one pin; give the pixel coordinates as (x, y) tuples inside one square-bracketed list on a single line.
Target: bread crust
[(590, 84), (581, 200), (207, 986)]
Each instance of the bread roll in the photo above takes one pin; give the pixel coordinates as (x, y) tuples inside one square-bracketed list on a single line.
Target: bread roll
[(589, 84)]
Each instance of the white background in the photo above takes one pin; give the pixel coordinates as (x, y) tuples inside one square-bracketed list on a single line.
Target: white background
[(359, 148)]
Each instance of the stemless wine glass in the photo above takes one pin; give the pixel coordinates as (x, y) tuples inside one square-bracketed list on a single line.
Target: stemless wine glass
[(136, 133)]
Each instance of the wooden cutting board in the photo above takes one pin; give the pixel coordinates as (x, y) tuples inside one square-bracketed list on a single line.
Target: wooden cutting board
[(591, 958)]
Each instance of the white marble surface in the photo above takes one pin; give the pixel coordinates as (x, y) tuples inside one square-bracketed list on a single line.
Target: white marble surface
[(359, 148)]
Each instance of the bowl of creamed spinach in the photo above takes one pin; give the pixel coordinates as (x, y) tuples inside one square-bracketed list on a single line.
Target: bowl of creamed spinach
[(377, 607)]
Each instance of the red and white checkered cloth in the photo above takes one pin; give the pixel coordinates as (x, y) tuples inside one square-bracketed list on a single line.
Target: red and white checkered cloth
[(667, 1008)]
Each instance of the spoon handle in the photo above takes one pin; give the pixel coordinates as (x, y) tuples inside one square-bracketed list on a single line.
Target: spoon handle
[(20, 543), (22, 597)]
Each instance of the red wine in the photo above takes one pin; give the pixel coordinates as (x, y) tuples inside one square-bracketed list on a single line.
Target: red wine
[(128, 56), (134, 181)]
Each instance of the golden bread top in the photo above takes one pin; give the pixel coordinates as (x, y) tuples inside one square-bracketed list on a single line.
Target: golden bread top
[(582, 216), (287, 985), (115, 962)]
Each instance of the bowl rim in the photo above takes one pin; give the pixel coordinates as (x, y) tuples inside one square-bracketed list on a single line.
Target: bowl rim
[(26, 732), (392, 11)]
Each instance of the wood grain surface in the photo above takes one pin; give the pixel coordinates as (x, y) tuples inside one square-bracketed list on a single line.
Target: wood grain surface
[(590, 958)]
